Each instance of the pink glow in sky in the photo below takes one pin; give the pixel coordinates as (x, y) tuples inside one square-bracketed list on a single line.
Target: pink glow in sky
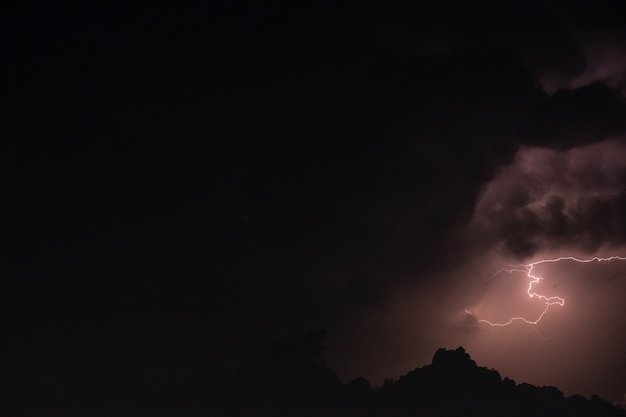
[(544, 205), (550, 204)]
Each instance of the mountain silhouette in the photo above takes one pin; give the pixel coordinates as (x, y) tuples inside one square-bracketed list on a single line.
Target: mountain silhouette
[(290, 378)]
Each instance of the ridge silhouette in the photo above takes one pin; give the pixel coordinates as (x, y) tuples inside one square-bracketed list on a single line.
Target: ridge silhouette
[(290, 378)]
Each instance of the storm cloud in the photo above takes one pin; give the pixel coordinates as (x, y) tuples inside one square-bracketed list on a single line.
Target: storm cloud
[(548, 199), (197, 182)]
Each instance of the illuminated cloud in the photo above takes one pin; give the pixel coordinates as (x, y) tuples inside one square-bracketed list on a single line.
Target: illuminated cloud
[(545, 204), (549, 199)]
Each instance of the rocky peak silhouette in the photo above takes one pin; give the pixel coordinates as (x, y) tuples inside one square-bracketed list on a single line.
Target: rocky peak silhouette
[(290, 378), (450, 359)]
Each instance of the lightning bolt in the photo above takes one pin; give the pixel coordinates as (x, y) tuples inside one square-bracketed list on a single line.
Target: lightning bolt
[(527, 269)]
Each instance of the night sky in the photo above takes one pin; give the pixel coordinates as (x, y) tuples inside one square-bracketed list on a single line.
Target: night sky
[(181, 185)]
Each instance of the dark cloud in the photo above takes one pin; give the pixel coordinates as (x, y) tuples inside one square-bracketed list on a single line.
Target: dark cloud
[(227, 174), (569, 118), (565, 45), (549, 199)]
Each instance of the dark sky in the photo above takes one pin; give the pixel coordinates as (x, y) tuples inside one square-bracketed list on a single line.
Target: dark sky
[(182, 184)]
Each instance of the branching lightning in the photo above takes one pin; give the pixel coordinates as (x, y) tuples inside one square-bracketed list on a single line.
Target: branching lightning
[(527, 270)]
